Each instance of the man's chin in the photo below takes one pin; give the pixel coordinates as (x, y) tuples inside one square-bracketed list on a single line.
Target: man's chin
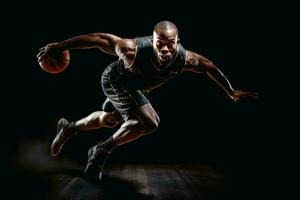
[(164, 60)]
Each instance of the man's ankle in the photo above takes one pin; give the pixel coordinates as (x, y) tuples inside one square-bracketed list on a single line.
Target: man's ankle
[(108, 144), (72, 128)]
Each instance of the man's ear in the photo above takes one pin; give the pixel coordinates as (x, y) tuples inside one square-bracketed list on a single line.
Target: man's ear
[(152, 40), (178, 39)]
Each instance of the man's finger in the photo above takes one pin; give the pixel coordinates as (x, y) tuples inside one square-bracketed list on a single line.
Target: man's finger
[(42, 49), (248, 94), (40, 58), (41, 53), (252, 95)]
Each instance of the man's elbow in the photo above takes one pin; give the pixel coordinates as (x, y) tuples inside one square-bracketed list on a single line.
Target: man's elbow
[(210, 67)]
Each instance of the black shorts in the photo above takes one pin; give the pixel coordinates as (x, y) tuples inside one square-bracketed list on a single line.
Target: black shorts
[(120, 97)]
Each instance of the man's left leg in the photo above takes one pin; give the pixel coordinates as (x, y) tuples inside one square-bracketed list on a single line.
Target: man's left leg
[(142, 121)]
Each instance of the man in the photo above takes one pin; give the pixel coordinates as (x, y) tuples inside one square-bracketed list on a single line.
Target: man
[(144, 64)]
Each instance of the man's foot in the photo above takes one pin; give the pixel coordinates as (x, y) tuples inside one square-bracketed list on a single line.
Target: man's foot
[(97, 156), (64, 133)]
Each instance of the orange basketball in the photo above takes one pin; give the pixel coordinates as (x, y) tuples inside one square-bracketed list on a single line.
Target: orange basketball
[(56, 62)]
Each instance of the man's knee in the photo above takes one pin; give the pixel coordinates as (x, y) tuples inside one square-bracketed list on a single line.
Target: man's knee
[(109, 119), (131, 124), (150, 126)]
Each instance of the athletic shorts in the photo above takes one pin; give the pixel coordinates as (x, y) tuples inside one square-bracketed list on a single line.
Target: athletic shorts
[(120, 97)]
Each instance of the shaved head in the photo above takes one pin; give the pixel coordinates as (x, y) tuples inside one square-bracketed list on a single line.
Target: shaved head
[(165, 26), (165, 39)]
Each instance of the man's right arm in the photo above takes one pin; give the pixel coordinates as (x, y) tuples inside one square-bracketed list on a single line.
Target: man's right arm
[(104, 41)]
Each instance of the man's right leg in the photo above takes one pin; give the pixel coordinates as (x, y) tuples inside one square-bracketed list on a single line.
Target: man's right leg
[(66, 130)]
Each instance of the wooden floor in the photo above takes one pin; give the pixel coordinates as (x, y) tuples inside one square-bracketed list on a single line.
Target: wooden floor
[(143, 182), (37, 175)]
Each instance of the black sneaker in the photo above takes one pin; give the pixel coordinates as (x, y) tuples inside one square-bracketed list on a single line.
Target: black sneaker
[(97, 157), (64, 133)]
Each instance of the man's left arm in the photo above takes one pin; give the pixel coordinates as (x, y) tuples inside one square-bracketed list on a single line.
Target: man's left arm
[(198, 64)]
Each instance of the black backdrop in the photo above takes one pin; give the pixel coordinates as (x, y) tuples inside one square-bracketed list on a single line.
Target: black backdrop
[(199, 124)]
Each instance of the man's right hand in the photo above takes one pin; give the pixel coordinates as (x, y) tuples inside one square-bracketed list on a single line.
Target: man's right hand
[(51, 48)]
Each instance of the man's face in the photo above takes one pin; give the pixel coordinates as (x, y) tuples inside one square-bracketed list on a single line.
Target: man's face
[(165, 44)]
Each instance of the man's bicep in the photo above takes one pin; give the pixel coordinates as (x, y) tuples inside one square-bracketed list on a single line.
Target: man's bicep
[(197, 63), (106, 42), (106, 38)]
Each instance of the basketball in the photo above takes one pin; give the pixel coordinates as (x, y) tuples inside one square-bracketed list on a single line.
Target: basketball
[(55, 62)]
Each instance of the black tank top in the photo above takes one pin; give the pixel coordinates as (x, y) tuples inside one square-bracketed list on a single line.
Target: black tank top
[(153, 76)]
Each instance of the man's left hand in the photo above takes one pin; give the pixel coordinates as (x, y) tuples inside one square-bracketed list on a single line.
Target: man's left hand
[(238, 94)]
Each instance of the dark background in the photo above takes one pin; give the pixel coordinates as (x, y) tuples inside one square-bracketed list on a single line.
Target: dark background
[(199, 124)]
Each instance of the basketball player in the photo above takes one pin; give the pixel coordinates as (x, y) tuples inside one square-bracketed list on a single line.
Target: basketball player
[(143, 64)]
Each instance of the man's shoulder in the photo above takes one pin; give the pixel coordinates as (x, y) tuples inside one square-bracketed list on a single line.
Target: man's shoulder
[(126, 44), (146, 37), (144, 41)]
